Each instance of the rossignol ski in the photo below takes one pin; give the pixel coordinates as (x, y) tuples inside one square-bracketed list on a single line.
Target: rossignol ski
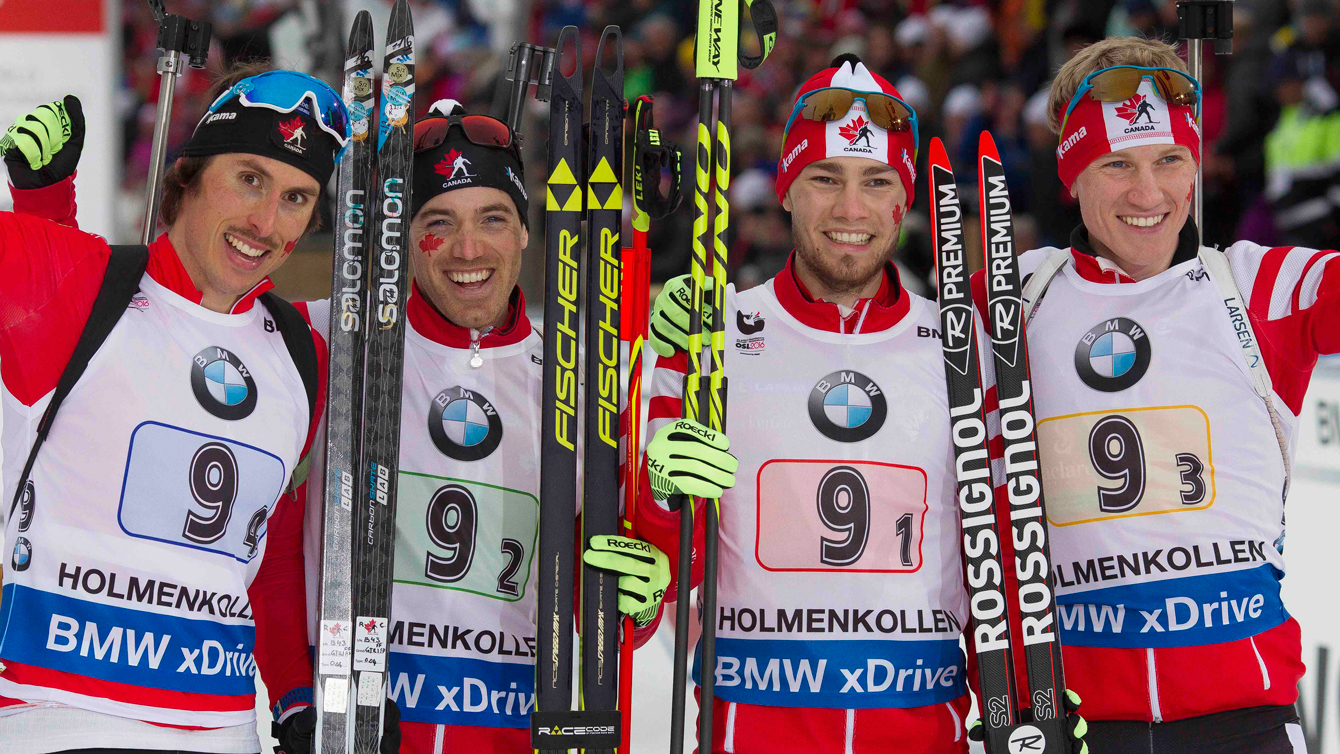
[(600, 464), (374, 541), (558, 443), (990, 605), (717, 60), (344, 400), (1023, 478)]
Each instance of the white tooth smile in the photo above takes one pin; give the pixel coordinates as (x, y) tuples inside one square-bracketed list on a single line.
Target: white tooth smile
[(857, 239), (1143, 222), (470, 276), (245, 248)]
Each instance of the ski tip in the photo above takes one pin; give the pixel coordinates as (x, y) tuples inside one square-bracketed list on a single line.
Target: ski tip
[(360, 34), (615, 34), (986, 146), (938, 157), (400, 14), (569, 37)]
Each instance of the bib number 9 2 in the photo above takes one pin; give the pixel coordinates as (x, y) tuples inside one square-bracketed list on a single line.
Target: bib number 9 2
[(469, 536)]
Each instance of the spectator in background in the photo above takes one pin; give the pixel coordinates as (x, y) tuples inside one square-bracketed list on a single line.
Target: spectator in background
[(763, 236)]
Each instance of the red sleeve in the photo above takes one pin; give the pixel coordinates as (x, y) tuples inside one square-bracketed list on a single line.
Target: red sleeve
[(1293, 300), (49, 276), (55, 202), (279, 606)]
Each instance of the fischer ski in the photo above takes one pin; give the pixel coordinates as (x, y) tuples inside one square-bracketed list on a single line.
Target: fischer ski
[(600, 481), (1023, 478), (344, 400), (564, 267), (374, 545)]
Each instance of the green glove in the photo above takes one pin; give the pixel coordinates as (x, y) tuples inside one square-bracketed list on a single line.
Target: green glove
[(669, 322), (644, 573), (689, 458), (1076, 727), (42, 148)]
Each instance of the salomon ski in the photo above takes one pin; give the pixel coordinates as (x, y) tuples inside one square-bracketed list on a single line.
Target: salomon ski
[(344, 399), (374, 544)]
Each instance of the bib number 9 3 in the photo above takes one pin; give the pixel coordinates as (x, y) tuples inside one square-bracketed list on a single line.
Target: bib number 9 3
[(1110, 464)]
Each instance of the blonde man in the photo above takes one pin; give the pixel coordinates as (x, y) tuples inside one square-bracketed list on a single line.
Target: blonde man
[(1168, 380)]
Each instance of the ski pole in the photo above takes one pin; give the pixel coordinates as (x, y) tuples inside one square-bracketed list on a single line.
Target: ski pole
[(177, 36), (344, 400), (648, 158), (717, 57), (1198, 20)]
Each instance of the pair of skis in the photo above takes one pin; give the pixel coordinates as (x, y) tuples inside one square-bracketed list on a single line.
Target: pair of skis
[(1008, 729), (717, 60), (583, 174), (369, 284)]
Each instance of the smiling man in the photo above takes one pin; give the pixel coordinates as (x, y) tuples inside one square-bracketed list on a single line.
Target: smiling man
[(1168, 378), (462, 667), (841, 592), (156, 559)]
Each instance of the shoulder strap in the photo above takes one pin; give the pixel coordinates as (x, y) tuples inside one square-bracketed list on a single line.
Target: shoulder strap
[(1216, 264), (125, 268), (302, 349), (1040, 279)]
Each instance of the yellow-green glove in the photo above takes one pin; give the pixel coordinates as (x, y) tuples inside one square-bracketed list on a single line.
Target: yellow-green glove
[(644, 573), (687, 457), (42, 148), (669, 321)]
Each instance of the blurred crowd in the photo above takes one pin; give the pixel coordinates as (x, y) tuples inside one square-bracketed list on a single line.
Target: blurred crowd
[(1271, 112)]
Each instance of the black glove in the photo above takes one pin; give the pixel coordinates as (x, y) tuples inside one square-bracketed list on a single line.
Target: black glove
[(1075, 726), (296, 734), (42, 148)]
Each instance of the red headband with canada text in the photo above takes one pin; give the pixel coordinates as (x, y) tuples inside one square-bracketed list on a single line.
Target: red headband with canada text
[(1098, 128)]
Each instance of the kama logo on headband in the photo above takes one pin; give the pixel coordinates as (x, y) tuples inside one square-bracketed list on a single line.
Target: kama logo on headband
[(911, 168), (1135, 108), (293, 133), (790, 158)]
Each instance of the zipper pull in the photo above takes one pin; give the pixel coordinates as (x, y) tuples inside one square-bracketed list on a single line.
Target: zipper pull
[(477, 361)]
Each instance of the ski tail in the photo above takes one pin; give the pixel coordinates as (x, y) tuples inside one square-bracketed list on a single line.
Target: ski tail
[(374, 547), (344, 404), (564, 269), (989, 605), (1039, 631)]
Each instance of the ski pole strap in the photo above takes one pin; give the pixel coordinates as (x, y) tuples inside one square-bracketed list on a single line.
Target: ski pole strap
[(649, 157), (765, 29), (1217, 265), (575, 729), (121, 281)]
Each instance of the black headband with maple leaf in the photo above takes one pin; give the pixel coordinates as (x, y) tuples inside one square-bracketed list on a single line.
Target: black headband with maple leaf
[(292, 137), (458, 163)]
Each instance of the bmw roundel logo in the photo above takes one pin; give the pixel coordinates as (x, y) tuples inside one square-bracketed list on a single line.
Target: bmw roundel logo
[(464, 425), (23, 554), (847, 406), (1113, 355), (222, 384)]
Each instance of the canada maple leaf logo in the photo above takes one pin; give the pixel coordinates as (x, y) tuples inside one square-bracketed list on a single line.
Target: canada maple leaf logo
[(1134, 108), (292, 129), (855, 130), (446, 165), (334, 629), (370, 625)]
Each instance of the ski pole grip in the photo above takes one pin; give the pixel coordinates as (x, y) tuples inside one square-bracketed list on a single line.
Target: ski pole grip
[(765, 29)]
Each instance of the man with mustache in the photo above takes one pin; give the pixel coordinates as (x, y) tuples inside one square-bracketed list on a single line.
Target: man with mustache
[(153, 548)]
